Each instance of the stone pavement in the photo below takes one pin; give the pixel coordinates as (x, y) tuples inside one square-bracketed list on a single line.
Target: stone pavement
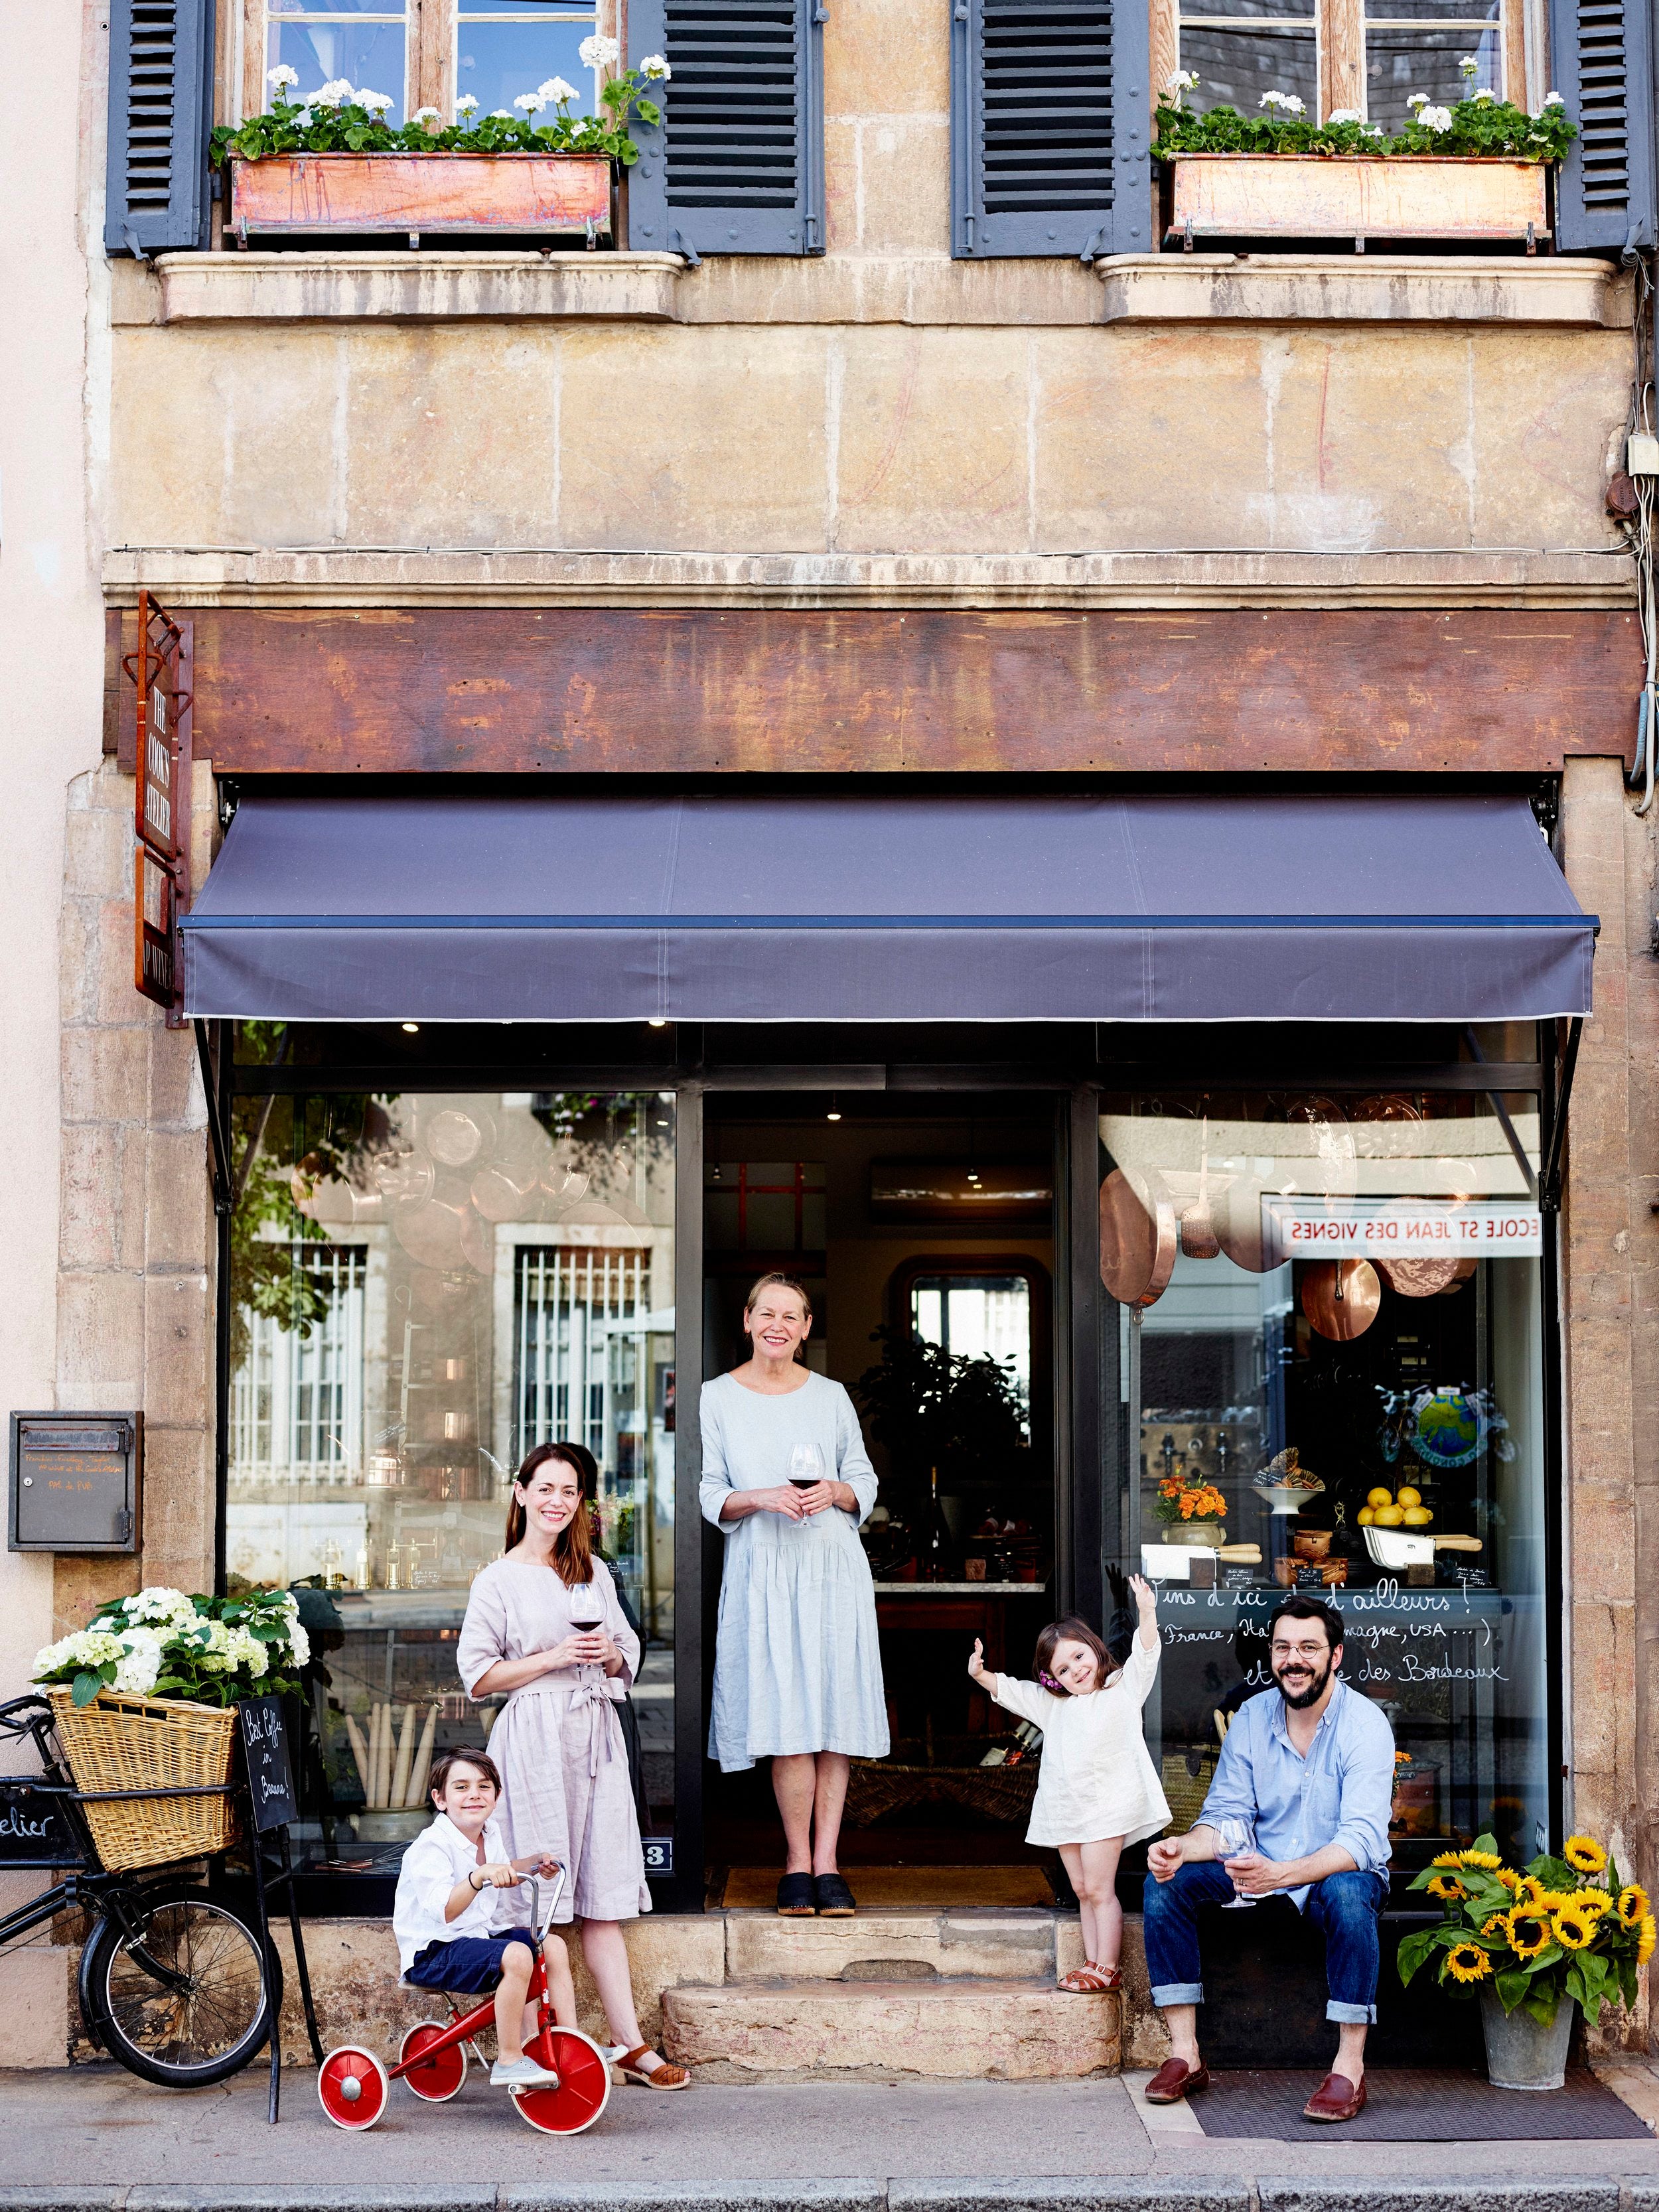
[(94, 2139)]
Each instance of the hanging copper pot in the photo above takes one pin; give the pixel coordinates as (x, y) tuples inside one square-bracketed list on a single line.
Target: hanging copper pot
[(1198, 1240), (1138, 1238), (1416, 1274), (1340, 1297)]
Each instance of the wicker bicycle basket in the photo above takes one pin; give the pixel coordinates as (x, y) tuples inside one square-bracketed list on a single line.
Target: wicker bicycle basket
[(149, 1743)]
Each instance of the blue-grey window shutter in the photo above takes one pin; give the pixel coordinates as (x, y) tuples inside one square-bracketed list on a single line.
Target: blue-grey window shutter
[(1049, 128), (1602, 56), (738, 164), (160, 115)]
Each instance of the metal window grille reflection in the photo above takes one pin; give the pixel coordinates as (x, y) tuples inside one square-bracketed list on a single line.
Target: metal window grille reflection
[(297, 1399), (575, 1359)]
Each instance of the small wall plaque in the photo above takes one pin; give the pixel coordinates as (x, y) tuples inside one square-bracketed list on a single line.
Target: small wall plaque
[(76, 1482)]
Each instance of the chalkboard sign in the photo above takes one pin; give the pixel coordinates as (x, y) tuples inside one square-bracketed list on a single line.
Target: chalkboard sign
[(76, 1481), (270, 1777), (33, 1829)]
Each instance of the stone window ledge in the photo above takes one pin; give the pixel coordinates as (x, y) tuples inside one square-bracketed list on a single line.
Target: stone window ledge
[(391, 286), (1353, 288)]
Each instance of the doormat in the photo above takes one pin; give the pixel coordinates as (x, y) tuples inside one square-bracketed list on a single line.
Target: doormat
[(1410, 2104), (906, 1888)]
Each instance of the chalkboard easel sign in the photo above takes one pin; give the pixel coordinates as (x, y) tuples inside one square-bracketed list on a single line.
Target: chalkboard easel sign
[(270, 1777), (34, 1832)]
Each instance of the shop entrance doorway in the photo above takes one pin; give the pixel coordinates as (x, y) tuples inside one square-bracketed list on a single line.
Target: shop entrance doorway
[(923, 1229)]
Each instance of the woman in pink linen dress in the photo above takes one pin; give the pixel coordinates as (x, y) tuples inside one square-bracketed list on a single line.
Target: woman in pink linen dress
[(558, 1741)]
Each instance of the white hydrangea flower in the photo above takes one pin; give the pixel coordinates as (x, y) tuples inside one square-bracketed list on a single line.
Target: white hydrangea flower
[(85, 1647), (375, 103), (140, 1662), (599, 52), (466, 104), (336, 92), (556, 93), (1435, 118), (300, 1642), (158, 1602), (1343, 115), (282, 77), (654, 67)]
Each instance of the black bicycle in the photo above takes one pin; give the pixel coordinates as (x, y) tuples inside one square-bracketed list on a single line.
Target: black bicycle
[(173, 1983)]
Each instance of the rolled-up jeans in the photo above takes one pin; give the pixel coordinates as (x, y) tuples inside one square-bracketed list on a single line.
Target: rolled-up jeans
[(1345, 1905)]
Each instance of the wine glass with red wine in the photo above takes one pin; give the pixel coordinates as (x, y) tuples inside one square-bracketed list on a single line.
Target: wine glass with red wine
[(806, 1466)]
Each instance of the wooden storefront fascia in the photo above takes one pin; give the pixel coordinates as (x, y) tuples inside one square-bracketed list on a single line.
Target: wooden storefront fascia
[(515, 690)]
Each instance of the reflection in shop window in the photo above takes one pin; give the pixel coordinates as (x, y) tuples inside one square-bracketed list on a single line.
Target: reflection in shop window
[(425, 1286), (1330, 1313)]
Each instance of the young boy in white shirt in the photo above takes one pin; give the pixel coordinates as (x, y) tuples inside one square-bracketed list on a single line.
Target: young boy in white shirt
[(445, 1912)]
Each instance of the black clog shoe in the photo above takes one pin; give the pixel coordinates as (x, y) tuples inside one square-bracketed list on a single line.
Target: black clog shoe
[(795, 1900)]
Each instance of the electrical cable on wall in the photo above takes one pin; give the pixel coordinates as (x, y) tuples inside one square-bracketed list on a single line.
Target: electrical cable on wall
[(1631, 497)]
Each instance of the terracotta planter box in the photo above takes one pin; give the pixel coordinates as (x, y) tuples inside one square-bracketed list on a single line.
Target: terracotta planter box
[(1307, 196), (452, 195)]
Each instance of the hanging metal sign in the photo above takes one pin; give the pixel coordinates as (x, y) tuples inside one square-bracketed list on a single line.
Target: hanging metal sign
[(161, 674)]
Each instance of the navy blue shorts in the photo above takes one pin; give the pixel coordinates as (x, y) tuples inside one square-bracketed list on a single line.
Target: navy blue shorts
[(471, 1964)]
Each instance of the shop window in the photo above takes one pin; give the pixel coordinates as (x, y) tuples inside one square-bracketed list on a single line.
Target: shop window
[(1330, 1320), (424, 1287)]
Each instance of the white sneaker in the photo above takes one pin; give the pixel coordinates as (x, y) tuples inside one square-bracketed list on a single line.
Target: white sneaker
[(520, 2074)]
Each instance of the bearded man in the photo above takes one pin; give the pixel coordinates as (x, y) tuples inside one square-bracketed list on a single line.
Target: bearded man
[(1300, 1804)]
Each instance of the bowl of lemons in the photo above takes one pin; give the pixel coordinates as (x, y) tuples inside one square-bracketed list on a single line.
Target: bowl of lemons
[(1396, 1524)]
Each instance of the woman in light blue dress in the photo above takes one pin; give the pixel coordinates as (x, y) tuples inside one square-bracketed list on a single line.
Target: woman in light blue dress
[(797, 1664)]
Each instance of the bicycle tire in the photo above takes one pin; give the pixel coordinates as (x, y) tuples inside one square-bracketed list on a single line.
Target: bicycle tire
[(226, 2019)]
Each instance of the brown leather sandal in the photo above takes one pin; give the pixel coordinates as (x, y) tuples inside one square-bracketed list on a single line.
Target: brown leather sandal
[(660, 2077), (1090, 1980)]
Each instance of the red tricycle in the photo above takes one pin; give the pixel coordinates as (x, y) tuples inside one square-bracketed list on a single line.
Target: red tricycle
[(354, 2085)]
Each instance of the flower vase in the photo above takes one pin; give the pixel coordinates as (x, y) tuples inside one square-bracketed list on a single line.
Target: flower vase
[(1210, 1535), (1520, 2053)]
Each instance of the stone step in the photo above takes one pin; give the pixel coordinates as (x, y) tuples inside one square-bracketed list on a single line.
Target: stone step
[(970, 2029), (1005, 1945)]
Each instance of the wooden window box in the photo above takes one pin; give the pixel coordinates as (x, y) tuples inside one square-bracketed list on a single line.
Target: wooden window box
[(449, 196), (1300, 197)]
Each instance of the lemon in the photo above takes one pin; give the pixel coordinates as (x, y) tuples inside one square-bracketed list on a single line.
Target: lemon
[(1367, 1515), (1418, 1517), (1407, 1496), (1379, 1496), (1391, 1516)]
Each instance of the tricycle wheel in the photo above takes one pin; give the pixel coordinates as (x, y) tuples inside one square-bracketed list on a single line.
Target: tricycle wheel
[(351, 2085), (584, 2088), (439, 2078)]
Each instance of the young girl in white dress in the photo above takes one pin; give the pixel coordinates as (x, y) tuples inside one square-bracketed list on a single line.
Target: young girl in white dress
[(1097, 1788)]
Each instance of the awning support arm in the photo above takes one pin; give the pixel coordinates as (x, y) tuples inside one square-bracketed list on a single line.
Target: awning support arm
[(218, 1135), (1549, 1180)]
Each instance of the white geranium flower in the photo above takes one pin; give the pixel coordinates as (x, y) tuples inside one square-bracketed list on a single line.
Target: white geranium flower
[(500, 115), (1552, 100), (531, 102), (654, 67), (598, 52), (1417, 99), (1343, 115), (425, 115), (1435, 118), (556, 93), (282, 77), (1468, 65), (466, 104), (336, 92), (375, 103), (1287, 101), (1484, 99)]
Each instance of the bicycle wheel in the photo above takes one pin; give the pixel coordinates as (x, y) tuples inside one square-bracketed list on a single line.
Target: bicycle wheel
[(186, 2000)]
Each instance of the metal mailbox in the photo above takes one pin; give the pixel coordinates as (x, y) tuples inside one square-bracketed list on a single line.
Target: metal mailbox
[(77, 1480)]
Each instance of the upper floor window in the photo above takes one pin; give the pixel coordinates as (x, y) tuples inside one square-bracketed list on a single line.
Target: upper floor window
[(504, 47), (1367, 57), (364, 41)]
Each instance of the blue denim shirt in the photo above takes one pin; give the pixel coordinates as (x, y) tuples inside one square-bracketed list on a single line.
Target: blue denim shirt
[(1342, 1793)]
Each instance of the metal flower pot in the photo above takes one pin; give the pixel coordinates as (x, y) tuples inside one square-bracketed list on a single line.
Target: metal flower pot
[(1207, 1534), (1519, 2054)]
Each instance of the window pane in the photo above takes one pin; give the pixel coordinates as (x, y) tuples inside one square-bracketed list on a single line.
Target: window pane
[(1417, 1401), (424, 1287), (978, 1318), (495, 62), (1236, 67), (369, 55), (1424, 56)]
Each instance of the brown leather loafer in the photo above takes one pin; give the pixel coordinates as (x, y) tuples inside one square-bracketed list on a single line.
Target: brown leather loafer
[(1335, 2099), (1175, 2079)]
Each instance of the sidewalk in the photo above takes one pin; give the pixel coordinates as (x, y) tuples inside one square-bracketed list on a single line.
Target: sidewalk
[(94, 2138)]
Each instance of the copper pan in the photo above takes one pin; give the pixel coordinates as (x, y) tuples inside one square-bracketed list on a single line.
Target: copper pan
[(1138, 1238), (1417, 1274), (1340, 1297)]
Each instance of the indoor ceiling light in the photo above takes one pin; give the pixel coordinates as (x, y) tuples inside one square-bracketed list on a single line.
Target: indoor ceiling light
[(413, 1028), (656, 1025)]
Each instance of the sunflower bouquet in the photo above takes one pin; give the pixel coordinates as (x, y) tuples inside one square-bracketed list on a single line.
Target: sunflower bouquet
[(1564, 1926)]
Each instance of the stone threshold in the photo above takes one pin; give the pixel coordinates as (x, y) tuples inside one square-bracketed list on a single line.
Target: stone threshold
[(413, 577)]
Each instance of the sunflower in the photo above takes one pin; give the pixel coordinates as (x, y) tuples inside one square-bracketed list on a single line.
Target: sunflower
[(1649, 1937), (1594, 1900), (1585, 1853), (1467, 1962), (1529, 1891), (1529, 1933), (1450, 1860), (1510, 1879), (1497, 1923), (1489, 1860), (1633, 1905), (1447, 1888), (1573, 1926)]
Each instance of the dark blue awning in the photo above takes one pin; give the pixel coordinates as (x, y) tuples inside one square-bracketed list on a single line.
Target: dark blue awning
[(895, 907)]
